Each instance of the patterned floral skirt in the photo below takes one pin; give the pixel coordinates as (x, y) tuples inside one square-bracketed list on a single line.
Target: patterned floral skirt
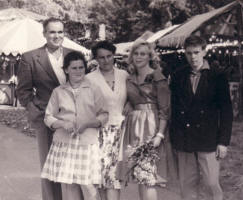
[(73, 163), (110, 143)]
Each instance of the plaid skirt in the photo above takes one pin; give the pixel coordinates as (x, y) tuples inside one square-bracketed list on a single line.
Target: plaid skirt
[(73, 163)]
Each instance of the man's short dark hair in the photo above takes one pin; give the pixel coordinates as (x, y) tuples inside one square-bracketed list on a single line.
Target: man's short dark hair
[(103, 45), (49, 20), (195, 40)]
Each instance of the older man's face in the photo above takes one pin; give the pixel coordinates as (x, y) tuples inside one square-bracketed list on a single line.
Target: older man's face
[(54, 34)]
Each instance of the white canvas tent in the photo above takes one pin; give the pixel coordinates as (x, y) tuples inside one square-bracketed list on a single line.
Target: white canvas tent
[(177, 37), (160, 34), (124, 48), (21, 35), (16, 13)]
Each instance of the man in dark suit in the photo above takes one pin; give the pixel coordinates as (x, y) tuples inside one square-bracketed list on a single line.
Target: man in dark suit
[(201, 121), (39, 72)]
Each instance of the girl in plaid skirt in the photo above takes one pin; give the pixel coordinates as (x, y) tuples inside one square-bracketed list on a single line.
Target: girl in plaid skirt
[(75, 113)]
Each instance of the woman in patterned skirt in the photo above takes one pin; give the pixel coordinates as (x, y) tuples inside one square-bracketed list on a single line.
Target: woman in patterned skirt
[(75, 111), (112, 83)]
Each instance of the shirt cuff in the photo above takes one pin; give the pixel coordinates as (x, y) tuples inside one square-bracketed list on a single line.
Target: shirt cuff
[(49, 121)]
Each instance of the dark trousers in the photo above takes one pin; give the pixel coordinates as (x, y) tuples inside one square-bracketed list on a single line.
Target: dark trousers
[(49, 189)]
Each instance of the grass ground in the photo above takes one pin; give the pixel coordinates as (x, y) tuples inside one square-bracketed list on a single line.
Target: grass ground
[(16, 118), (231, 167)]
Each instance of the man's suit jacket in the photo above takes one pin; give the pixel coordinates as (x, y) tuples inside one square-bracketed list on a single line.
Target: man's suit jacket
[(200, 121), (36, 80)]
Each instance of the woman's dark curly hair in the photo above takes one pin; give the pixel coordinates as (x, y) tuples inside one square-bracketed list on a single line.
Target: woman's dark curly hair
[(105, 44), (73, 56)]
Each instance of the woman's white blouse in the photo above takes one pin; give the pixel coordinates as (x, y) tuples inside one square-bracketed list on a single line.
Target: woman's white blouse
[(114, 100)]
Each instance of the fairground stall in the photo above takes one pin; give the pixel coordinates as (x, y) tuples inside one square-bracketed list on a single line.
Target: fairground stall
[(223, 30), (17, 37)]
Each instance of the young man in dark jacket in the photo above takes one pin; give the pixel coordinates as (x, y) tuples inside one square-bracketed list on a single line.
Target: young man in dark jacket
[(201, 121)]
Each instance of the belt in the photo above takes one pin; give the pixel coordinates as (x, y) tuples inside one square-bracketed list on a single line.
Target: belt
[(147, 106)]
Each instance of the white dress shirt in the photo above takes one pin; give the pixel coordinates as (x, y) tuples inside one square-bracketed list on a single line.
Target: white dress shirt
[(57, 66)]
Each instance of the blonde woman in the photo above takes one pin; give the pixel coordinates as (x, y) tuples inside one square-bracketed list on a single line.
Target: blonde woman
[(149, 97)]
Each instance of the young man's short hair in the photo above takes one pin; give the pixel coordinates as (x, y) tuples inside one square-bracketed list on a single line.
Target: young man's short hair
[(195, 40)]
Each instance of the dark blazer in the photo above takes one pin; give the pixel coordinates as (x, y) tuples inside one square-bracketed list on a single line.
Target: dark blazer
[(36, 81), (200, 121)]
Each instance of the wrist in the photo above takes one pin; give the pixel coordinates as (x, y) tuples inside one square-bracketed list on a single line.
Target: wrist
[(160, 135)]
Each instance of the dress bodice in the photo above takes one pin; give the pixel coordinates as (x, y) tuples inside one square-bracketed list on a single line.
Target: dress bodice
[(114, 99), (154, 90)]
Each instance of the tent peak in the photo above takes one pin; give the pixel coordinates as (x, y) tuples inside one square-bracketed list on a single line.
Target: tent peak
[(177, 37)]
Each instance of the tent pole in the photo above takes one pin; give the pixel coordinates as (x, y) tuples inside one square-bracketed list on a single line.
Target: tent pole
[(240, 57)]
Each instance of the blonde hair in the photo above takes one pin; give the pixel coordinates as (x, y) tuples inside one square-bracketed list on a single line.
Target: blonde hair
[(154, 58)]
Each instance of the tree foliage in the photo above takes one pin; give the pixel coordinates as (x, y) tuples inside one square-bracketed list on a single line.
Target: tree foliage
[(75, 10), (128, 19), (125, 20)]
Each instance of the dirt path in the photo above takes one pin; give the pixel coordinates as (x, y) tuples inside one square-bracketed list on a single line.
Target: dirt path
[(19, 169)]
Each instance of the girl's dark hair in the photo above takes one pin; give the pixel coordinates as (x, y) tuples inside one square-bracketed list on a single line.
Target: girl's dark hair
[(73, 56), (103, 45)]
